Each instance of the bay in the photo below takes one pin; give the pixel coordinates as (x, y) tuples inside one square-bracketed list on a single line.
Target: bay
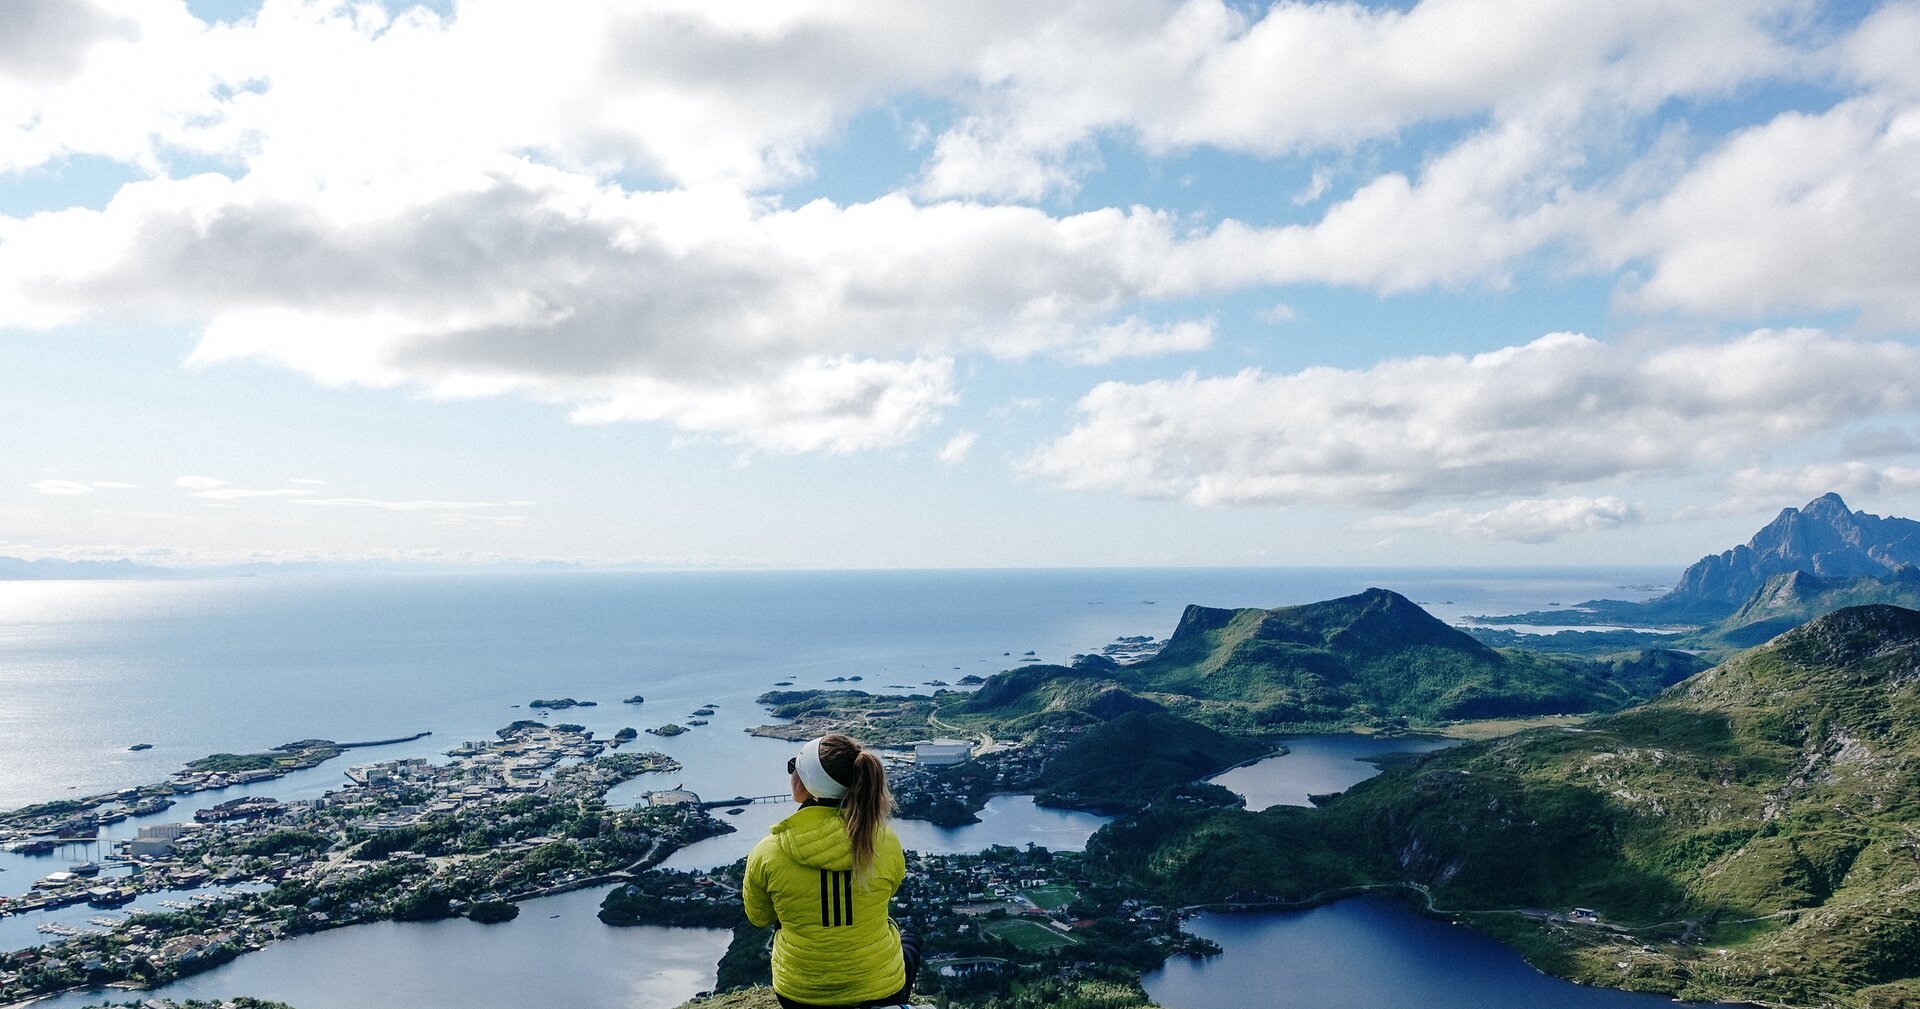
[(555, 954), (240, 664)]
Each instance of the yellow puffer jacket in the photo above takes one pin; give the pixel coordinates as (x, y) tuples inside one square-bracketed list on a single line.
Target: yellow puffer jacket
[(836, 945)]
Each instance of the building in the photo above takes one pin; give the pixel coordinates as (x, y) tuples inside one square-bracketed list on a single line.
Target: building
[(942, 753), (672, 797), (149, 847)]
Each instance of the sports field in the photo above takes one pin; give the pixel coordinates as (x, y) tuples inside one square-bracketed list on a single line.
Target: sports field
[(1050, 897), (1029, 937)]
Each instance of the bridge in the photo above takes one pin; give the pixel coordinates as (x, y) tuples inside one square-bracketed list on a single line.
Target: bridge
[(744, 800)]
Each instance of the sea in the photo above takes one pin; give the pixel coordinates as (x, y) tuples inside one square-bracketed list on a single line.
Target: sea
[(198, 666)]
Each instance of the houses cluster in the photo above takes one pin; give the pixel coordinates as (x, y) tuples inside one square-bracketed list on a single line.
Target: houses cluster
[(313, 844), (926, 788)]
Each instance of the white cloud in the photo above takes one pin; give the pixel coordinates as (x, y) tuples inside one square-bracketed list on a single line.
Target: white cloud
[(706, 310), (1326, 75), (1560, 411), (198, 483), (1315, 188), (60, 487), (1135, 337), (242, 493), (690, 92), (954, 452), (1801, 483), (446, 216), (838, 405), (1529, 520), (1883, 441), (307, 481), (1806, 211), (409, 506), (115, 485)]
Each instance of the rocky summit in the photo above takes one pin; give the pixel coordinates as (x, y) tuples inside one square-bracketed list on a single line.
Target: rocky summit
[(1825, 539)]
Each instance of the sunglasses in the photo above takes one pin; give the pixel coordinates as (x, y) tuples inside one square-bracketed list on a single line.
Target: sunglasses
[(793, 766)]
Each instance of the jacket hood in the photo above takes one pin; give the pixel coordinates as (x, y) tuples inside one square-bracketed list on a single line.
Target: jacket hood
[(815, 837)]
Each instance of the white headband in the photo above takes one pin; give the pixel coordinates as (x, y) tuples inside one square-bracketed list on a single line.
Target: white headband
[(813, 774)]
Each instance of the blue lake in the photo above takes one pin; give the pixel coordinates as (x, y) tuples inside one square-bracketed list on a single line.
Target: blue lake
[(1364, 953), (1317, 765)]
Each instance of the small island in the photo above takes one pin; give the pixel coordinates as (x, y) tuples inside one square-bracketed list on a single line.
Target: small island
[(669, 729), (635, 699), (137, 747), (562, 703), (493, 912)]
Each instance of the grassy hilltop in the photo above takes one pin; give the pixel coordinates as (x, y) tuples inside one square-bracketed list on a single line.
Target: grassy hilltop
[(1371, 658), (1751, 834)]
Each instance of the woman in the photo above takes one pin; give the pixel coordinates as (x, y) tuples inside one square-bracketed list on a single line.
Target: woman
[(823, 876)]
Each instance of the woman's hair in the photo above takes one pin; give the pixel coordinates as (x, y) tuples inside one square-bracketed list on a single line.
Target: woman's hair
[(867, 804)]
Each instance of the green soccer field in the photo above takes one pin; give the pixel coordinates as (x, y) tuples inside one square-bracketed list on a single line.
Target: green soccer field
[(1050, 897), (1030, 937)]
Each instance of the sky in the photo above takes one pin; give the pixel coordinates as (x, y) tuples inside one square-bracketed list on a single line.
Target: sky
[(975, 284)]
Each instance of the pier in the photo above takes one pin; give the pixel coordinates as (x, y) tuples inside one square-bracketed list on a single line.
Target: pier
[(683, 797)]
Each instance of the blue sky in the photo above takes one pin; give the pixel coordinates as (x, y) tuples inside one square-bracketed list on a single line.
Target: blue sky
[(968, 284)]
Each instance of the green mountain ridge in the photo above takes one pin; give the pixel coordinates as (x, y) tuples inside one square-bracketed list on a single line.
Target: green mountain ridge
[(1371, 658), (1753, 833), (1786, 601)]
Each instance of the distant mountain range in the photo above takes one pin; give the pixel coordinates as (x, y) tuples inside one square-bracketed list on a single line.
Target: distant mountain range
[(1824, 539), (18, 569), (1807, 561)]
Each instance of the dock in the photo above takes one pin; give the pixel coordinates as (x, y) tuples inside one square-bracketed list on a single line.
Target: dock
[(684, 797)]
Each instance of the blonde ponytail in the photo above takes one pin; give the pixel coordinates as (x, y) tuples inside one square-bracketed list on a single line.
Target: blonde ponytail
[(867, 804)]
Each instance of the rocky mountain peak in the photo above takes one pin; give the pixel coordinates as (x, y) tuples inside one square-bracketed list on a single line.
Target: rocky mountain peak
[(1824, 538)]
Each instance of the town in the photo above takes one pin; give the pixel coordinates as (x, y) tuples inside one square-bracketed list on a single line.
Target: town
[(519, 816)]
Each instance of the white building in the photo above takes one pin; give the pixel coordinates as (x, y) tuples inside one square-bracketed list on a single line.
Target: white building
[(942, 753)]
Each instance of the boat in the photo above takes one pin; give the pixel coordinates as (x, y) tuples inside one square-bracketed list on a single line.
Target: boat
[(85, 869), (137, 747), (37, 847)]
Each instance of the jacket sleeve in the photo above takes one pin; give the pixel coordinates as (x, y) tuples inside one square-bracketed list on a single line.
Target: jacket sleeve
[(754, 891)]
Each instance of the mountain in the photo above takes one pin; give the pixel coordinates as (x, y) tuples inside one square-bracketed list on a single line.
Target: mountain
[(18, 569), (1375, 654), (1752, 834), (1375, 657), (1788, 600), (1122, 763), (1824, 539)]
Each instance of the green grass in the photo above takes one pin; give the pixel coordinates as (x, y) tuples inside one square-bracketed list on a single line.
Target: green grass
[(1028, 936), (1050, 897)]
